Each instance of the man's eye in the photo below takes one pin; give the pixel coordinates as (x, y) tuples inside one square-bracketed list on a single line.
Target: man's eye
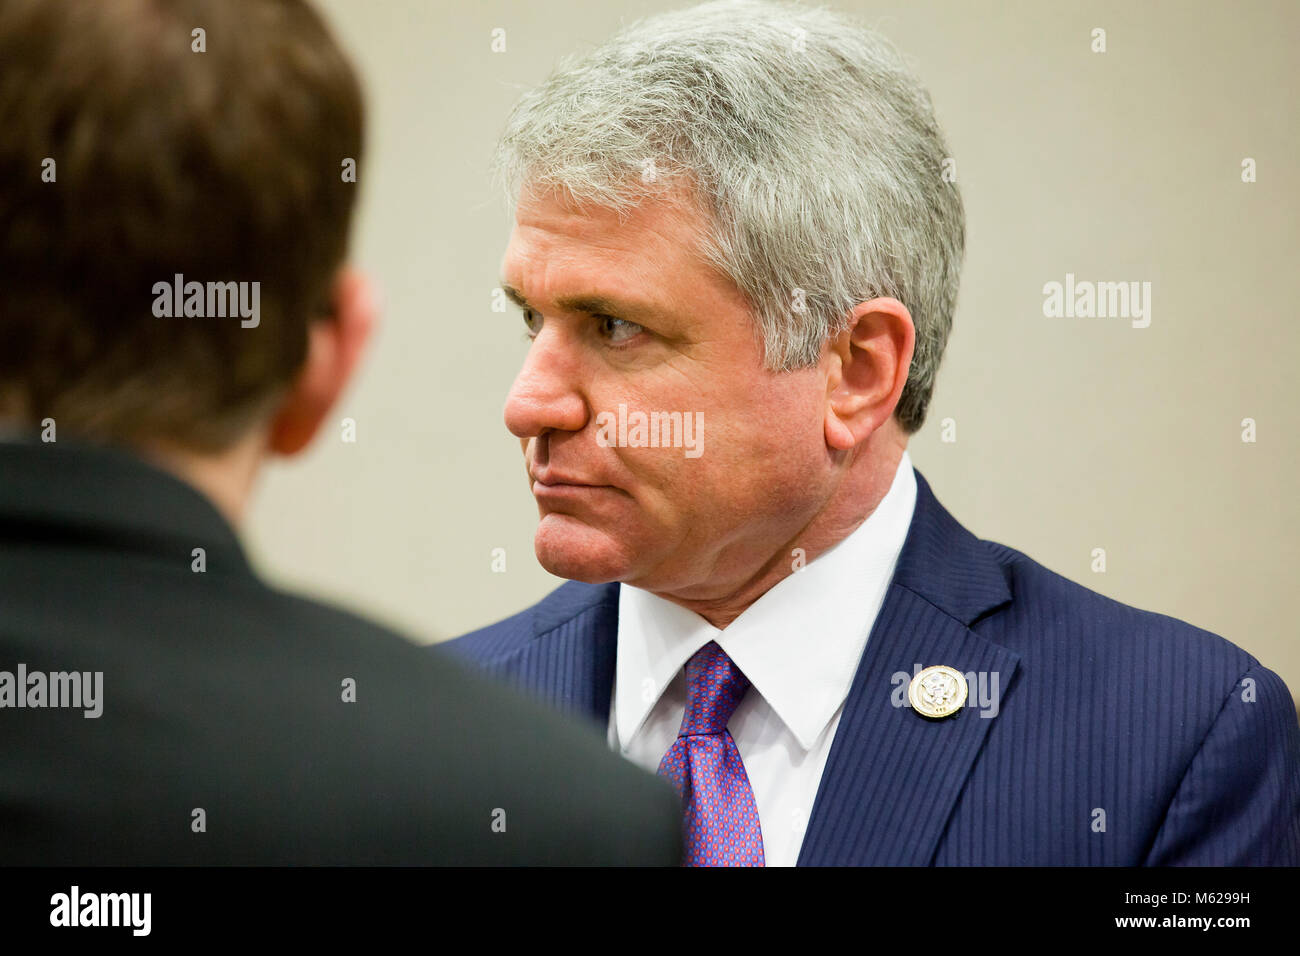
[(618, 330), (533, 320)]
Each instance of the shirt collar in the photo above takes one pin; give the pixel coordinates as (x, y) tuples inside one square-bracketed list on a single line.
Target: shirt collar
[(798, 644)]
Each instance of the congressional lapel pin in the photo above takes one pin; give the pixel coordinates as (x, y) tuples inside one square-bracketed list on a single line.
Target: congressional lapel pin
[(938, 691)]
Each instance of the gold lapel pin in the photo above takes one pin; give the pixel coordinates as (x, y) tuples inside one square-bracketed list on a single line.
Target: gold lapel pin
[(938, 691)]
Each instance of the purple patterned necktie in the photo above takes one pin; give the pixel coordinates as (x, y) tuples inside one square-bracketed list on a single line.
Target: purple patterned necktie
[(721, 815)]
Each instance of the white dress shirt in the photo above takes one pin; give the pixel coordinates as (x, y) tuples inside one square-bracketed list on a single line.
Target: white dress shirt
[(799, 645)]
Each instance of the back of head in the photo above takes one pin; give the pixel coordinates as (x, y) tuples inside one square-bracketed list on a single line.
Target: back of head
[(158, 143)]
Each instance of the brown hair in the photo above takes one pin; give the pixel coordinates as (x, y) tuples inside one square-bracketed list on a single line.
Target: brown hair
[(221, 166)]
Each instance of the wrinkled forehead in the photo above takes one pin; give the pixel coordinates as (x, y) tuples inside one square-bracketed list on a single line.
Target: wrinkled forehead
[(675, 214), (656, 244)]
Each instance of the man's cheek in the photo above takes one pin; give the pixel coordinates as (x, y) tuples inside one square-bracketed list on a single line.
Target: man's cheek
[(656, 470)]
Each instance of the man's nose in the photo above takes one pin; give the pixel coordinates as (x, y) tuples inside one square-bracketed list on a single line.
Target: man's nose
[(546, 394)]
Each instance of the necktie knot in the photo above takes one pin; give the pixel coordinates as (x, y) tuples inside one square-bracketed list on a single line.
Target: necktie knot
[(714, 687)]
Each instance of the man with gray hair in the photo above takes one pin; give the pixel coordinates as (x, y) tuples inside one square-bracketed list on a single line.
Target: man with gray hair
[(734, 217)]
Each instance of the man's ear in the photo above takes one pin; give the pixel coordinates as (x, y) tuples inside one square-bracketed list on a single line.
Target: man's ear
[(867, 367), (334, 346)]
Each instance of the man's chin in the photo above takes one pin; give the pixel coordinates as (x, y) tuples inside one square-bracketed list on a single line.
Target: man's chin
[(569, 548)]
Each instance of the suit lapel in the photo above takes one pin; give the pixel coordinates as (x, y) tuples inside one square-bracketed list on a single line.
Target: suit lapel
[(892, 776)]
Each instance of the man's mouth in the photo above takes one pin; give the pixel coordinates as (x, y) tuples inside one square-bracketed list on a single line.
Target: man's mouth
[(554, 485), (552, 478)]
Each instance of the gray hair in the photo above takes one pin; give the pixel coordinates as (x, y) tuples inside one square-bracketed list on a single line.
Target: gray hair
[(804, 139)]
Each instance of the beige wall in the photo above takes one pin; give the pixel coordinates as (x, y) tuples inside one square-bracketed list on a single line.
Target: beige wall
[(1072, 434)]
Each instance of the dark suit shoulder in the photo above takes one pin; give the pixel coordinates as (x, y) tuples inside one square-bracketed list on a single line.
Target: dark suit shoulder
[(1050, 607), (1155, 682), (1187, 743), (566, 603), (466, 770), (304, 733)]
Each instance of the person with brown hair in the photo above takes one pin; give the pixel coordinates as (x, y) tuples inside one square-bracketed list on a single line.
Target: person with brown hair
[(176, 187)]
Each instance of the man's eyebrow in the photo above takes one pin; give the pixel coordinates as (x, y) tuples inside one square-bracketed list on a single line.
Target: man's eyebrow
[(589, 304)]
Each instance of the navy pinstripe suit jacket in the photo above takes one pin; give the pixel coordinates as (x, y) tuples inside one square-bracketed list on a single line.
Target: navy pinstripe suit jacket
[(1121, 737)]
